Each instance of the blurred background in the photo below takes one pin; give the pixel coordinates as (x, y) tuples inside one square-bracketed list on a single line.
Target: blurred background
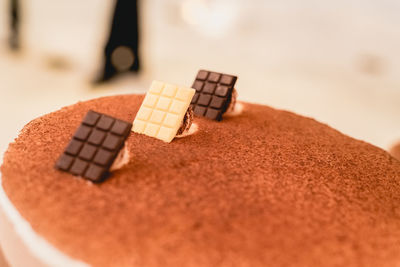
[(336, 61)]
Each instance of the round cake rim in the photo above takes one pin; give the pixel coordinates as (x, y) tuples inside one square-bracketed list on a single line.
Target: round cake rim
[(251, 103), (42, 249)]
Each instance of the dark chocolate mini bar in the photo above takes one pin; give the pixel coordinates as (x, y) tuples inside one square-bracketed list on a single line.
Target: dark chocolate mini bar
[(213, 94), (94, 146)]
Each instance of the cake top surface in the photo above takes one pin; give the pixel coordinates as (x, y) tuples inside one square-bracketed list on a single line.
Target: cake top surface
[(265, 188)]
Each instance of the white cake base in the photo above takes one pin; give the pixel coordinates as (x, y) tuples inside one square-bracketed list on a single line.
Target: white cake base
[(23, 247)]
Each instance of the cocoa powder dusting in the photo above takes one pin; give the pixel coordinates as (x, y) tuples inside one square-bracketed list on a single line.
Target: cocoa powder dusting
[(267, 188)]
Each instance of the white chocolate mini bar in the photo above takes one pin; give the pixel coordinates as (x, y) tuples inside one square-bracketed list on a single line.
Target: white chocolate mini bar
[(162, 111)]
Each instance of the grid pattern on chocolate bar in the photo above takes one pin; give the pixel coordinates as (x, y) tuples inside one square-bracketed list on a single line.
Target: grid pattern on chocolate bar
[(213, 94), (162, 111), (94, 146)]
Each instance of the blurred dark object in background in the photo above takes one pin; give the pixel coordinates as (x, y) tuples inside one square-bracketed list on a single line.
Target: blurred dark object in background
[(121, 51), (13, 39)]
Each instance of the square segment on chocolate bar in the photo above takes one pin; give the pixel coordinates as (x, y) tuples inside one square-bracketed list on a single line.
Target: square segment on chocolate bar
[(213, 94), (94, 146), (162, 111)]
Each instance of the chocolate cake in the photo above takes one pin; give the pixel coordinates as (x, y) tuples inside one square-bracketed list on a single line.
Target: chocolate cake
[(264, 188), (395, 151)]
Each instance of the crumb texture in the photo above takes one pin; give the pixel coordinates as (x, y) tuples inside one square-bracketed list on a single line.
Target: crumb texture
[(266, 188)]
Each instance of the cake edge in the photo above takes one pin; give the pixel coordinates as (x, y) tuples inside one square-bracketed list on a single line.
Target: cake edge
[(23, 237), (21, 227)]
